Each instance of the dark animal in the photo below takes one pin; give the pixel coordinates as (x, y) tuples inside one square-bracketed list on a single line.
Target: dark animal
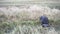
[(44, 21)]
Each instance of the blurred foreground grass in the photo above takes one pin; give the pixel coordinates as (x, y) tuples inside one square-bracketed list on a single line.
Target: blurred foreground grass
[(6, 27)]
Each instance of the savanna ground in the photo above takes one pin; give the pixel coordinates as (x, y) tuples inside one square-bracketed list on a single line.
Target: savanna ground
[(26, 16)]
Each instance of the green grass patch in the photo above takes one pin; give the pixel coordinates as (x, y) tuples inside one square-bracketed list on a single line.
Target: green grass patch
[(6, 27)]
